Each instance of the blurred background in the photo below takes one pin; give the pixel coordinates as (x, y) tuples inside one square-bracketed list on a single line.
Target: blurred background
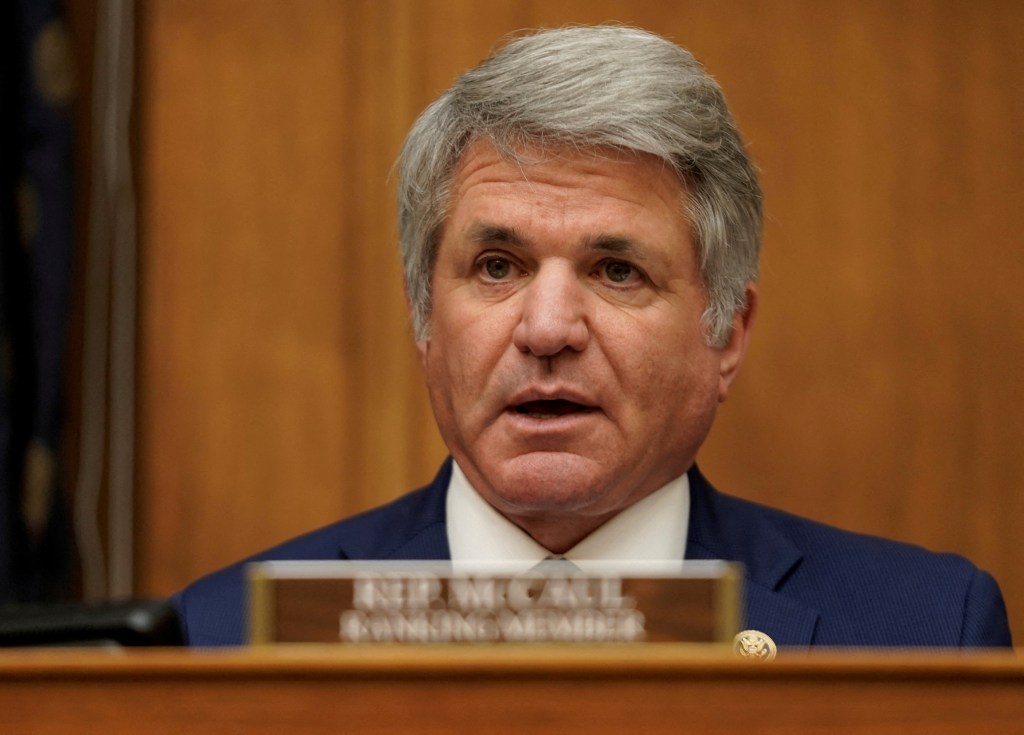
[(206, 348)]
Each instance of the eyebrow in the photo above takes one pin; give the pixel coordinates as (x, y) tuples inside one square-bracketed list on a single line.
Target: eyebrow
[(484, 233), (616, 245)]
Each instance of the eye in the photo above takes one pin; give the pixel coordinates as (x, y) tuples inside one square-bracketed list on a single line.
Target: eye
[(618, 271), (497, 269)]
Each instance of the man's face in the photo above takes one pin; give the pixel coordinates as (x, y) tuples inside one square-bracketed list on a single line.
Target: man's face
[(566, 365)]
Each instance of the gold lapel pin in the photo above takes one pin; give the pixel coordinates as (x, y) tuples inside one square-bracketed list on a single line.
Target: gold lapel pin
[(754, 644)]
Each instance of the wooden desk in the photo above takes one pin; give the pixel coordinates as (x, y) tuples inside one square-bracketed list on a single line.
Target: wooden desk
[(510, 689)]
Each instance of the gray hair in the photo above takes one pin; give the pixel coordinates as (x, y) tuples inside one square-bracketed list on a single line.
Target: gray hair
[(588, 87)]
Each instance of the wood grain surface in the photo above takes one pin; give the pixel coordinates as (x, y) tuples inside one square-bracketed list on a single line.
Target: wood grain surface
[(511, 689)]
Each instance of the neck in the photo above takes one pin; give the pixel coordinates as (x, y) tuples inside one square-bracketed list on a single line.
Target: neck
[(558, 534)]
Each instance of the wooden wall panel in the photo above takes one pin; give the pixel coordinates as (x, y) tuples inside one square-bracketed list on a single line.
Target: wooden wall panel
[(280, 389)]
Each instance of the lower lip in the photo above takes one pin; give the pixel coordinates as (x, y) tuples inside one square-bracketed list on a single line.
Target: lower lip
[(550, 423)]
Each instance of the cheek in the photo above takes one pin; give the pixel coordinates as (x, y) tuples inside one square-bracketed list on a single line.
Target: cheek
[(466, 349), (668, 370), (658, 353)]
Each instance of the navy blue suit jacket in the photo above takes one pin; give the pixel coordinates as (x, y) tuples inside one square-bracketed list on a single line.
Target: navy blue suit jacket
[(806, 583)]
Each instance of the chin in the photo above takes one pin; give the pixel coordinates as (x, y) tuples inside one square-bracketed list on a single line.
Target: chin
[(550, 482)]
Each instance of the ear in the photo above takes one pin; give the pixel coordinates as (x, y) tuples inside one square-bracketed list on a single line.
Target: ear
[(421, 344), (732, 354), (421, 348)]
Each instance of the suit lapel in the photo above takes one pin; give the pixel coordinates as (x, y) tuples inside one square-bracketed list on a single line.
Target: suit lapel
[(722, 527), (413, 527), (429, 543)]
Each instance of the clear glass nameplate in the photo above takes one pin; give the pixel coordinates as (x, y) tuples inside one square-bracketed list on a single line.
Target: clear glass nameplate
[(436, 602)]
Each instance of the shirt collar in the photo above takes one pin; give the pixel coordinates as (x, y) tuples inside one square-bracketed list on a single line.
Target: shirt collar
[(650, 535)]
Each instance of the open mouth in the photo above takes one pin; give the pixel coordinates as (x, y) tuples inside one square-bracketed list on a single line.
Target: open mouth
[(550, 409)]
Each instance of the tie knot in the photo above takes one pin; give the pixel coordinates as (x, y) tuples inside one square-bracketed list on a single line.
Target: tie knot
[(555, 565)]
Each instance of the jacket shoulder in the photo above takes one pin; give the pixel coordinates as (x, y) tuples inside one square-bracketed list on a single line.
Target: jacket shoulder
[(871, 591), (213, 609)]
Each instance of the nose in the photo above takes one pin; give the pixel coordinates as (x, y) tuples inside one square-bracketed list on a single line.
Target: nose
[(553, 316)]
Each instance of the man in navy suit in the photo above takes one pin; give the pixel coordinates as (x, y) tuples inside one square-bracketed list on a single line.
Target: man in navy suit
[(580, 231)]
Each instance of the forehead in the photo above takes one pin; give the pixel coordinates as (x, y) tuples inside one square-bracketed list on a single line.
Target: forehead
[(606, 188)]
